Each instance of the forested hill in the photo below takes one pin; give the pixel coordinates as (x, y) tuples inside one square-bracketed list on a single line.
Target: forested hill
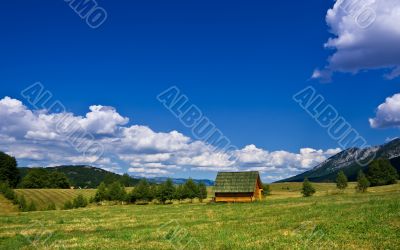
[(87, 176)]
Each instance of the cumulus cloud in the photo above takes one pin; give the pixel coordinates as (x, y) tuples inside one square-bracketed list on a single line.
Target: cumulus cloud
[(366, 36), (264, 161), (387, 114), (103, 120), (36, 138)]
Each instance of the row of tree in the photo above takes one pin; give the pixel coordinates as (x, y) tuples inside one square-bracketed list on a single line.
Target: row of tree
[(41, 178), (145, 192)]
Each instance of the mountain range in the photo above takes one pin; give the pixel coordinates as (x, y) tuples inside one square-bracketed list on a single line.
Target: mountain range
[(347, 161)]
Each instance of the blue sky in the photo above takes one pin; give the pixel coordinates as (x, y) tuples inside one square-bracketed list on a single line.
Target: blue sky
[(240, 63)]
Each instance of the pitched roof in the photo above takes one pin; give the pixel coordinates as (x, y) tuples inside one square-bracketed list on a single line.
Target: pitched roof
[(236, 182)]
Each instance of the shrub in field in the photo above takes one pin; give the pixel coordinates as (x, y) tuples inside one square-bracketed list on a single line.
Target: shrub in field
[(112, 192), (23, 206), (202, 194), (266, 190), (308, 189), (68, 205), (101, 193), (79, 201), (380, 172), (362, 182), (116, 192), (31, 206), (341, 181), (8, 170), (165, 191), (179, 193), (141, 192), (191, 190), (51, 206)]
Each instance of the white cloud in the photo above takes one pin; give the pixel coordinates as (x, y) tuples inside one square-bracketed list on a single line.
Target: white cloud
[(142, 138), (258, 159), (36, 139), (366, 36), (387, 114), (148, 172), (102, 120)]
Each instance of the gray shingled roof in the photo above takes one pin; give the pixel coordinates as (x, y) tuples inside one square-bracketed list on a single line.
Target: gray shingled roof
[(236, 182)]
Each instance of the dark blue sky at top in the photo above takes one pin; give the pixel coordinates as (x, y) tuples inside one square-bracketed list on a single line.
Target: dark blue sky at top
[(240, 62)]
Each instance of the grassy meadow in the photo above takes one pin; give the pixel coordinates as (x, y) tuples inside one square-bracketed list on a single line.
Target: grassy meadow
[(285, 220), (43, 197)]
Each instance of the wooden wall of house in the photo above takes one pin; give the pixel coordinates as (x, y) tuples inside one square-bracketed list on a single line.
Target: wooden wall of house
[(258, 193), (235, 197)]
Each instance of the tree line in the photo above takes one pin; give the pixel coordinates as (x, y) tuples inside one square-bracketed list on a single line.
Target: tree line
[(146, 192)]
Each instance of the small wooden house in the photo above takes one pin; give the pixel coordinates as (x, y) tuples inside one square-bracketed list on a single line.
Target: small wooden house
[(238, 187)]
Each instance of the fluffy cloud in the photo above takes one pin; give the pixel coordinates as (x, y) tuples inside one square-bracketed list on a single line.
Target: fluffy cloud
[(366, 36), (264, 161), (40, 138), (387, 114), (102, 120)]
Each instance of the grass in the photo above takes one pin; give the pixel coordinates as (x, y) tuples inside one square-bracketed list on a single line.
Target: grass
[(6, 206), (43, 197), (329, 220)]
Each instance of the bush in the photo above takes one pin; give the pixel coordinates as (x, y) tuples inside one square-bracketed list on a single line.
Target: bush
[(79, 201), (22, 204), (266, 190), (191, 190), (165, 191), (32, 206), (307, 190), (101, 193), (380, 172), (341, 180), (116, 192), (362, 182), (179, 193), (142, 192), (51, 206), (202, 194), (68, 205)]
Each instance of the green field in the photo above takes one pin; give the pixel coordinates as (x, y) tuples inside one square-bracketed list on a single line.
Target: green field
[(43, 197), (329, 220)]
